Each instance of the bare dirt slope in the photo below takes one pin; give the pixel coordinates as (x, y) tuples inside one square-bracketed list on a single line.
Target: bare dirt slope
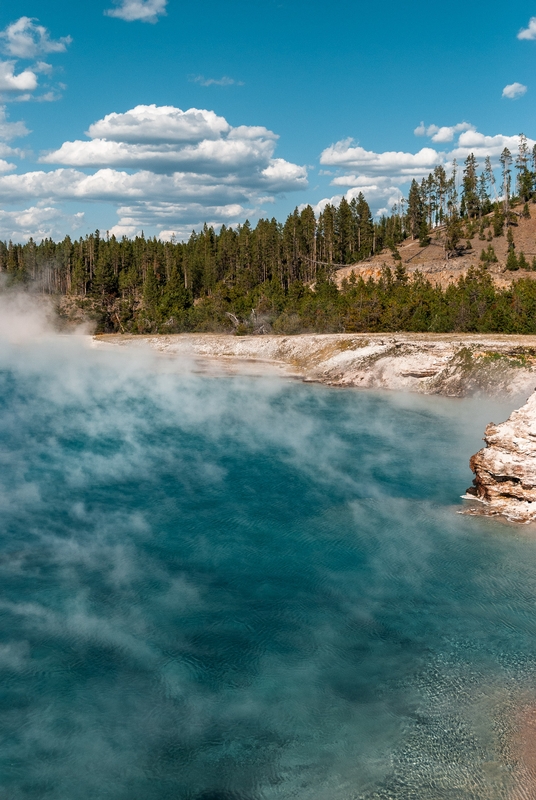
[(431, 261)]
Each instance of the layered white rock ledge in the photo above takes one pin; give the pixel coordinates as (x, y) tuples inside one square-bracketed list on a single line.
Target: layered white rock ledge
[(454, 365), (505, 470)]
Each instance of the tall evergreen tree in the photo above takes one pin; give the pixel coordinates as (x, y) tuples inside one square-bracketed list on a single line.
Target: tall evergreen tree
[(525, 178), (470, 187), (415, 211), (506, 162)]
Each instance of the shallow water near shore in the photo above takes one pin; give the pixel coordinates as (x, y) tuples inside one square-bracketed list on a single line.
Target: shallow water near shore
[(241, 588)]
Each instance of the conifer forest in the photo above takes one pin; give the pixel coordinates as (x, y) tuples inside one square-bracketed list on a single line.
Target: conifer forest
[(279, 277)]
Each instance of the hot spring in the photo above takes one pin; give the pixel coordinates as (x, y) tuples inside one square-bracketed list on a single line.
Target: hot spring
[(239, 588)]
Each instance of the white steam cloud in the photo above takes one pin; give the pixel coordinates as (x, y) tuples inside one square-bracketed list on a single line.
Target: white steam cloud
[(151, 506)]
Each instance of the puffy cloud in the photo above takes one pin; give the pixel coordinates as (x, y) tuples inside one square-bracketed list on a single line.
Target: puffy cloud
[(363, 167), (482, 145), (530, 31), (348, 155), (442, 134), (167, 139), (160, 124), (143, 10), (198, 142), (217, 157), (165, 169), (380, 196), (10, 130), (5, 150), (115, 185), (282, 176), (9, 82), (514, 90), (39, 222), (42, 66), (175, 219), (384, 177), (225, 81), (26, 39)]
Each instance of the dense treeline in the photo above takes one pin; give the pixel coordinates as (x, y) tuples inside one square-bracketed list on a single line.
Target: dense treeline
[(278, 277)]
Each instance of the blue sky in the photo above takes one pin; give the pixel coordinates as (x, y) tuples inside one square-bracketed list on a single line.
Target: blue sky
[(297, 102)]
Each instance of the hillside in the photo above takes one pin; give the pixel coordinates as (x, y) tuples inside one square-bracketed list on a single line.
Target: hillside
[(431, 262)]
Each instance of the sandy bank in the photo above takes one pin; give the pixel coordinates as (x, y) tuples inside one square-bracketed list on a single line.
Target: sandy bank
[(454, 365)]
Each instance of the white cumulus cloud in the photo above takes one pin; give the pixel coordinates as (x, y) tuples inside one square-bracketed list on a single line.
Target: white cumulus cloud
[(10, 130), (164, 168), (530, 31), (176, 219), (25, 81), (514, 90), (482, 145), (168, 140), (143, 10), (156, 124), (39, 222), (385, 176), (215, 157), (348, 155), (26, 39), (380, 196), (443, 134)]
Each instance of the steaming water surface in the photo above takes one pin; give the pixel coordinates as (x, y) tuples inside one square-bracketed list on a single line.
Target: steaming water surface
[(247, 588)]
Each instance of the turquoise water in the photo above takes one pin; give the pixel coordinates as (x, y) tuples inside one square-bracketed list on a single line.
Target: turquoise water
[(248, 588)]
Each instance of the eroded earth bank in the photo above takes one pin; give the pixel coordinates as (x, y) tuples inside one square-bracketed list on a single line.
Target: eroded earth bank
[(454, 365)]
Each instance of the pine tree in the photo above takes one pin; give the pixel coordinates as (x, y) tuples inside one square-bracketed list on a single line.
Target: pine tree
[(365, 227), (441, 184), (490, 176), (453, 232), (151, 293), (415, 211), (522, 261), (470, 187), (524, 176), (104, 280), (175, 298), (506, 161), (424, 234), (511, 261), (344, 233), (326, 231), (497, 221), (308, 230), (484, 205)]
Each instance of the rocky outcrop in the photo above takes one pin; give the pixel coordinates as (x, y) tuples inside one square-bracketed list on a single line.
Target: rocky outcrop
[(505, 470), (454, 365)]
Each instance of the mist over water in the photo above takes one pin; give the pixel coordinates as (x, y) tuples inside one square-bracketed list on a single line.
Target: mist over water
[(240, 588)]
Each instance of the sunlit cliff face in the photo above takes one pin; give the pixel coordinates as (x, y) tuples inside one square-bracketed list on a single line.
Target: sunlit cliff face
[(227, 589)]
